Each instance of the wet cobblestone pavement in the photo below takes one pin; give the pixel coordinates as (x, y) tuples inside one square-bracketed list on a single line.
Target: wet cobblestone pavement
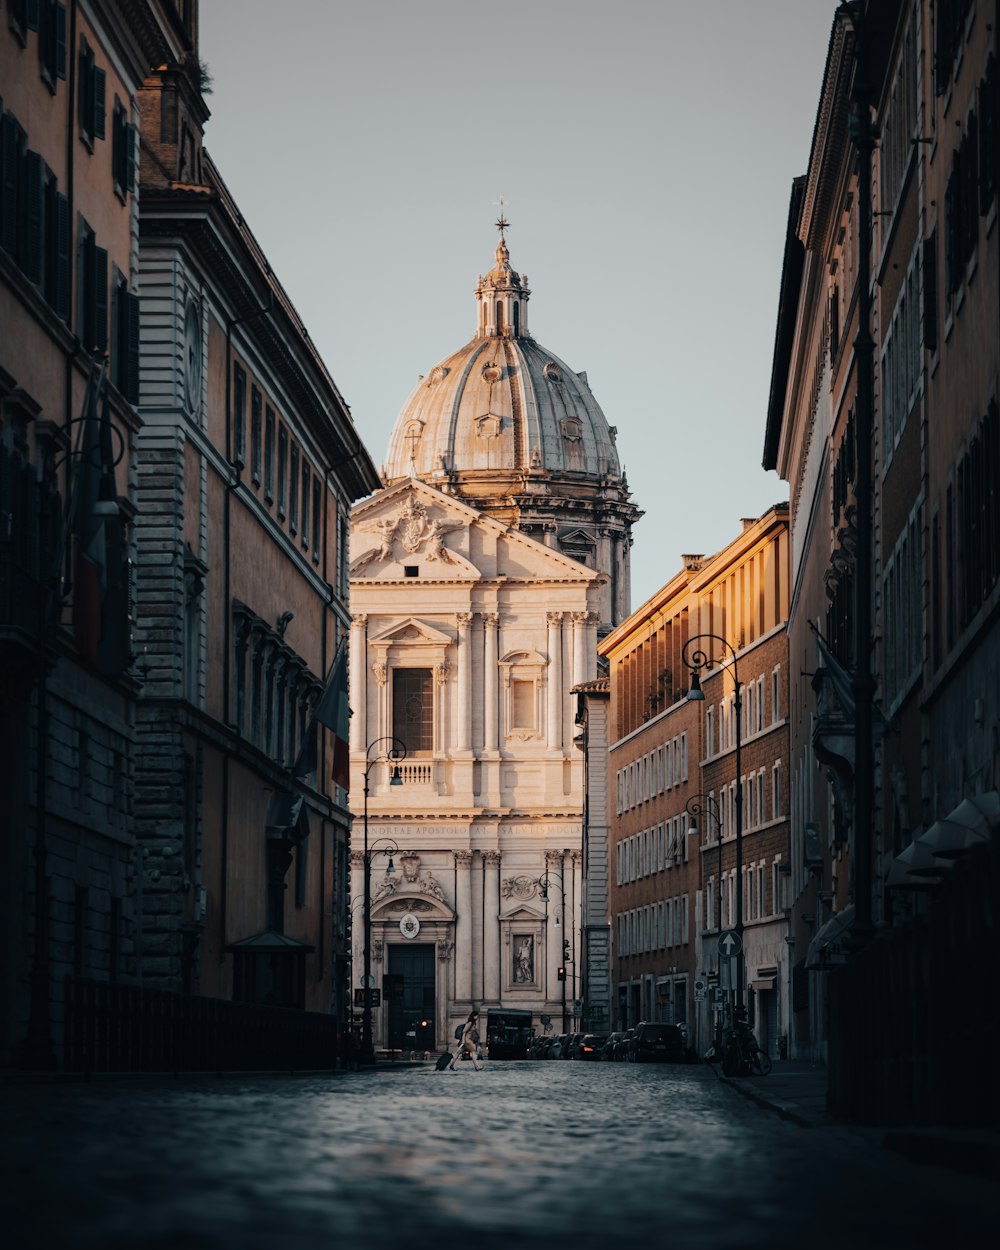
[(521, 1155)]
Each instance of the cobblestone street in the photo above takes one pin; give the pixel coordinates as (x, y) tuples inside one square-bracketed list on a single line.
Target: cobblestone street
[(529, 1154)]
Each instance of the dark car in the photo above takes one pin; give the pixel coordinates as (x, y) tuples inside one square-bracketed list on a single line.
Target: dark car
[(591, 1045), (622, 1046), (656, 1043), (611, 1044)]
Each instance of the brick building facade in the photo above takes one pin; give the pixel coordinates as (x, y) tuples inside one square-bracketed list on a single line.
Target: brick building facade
[(672, 787)]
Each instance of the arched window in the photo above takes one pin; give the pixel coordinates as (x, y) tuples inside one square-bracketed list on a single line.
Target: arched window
[(499, 316), (517, 317)]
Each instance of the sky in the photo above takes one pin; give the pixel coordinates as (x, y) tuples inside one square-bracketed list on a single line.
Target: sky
[(645, 151)]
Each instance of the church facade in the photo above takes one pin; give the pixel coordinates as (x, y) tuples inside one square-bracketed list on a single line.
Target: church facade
[(482, 576)]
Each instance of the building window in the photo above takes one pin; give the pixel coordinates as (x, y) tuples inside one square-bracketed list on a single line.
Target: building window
[(776, 811), (269, 455), (256, 406), (239, 415), (293, 490), (92, 290), (125, 339), (91, 97), (123, 143), (305, 503), (684, 757), (776, 694), (413, 709), (316, 501), (522, 704), (282, 470)]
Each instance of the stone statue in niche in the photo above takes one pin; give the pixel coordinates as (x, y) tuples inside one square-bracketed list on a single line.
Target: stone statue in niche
[(524, 959)]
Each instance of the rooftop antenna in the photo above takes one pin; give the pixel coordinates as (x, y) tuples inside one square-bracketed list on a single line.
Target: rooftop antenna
[(502, 223)]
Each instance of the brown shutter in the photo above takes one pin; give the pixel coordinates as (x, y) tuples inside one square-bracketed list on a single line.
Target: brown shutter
[(100, 90), (100, 298)]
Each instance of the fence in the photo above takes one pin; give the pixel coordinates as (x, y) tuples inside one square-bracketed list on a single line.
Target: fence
[(128, 1028), (913, 1017)]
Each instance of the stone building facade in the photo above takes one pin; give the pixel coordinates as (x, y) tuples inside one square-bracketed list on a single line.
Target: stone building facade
[(883, 419), (69, 77), (481, 577), (248, 462), (673, 788)]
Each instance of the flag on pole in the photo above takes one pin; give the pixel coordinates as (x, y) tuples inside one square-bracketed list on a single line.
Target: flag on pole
[(333, 711)]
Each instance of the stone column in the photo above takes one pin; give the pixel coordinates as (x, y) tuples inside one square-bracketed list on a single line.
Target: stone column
[(441, 710), (359, 720), (491, 926), (444, 1039), (383, 719), (574, 919), (463, 718), (490, 676), (554, 934), (555, 703), (463, 926), (580, 647)]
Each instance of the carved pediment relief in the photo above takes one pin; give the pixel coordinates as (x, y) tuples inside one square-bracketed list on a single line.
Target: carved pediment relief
[(410, 630)]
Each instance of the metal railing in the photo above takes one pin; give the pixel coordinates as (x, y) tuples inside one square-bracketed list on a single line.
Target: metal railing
[(128, 1028)]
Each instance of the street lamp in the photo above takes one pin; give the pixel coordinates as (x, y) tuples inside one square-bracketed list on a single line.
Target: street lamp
[(698, 659), (393, 755), (543, 888)]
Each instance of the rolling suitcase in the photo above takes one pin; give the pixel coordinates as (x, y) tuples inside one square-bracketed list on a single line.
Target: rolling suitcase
[(443, 1061)]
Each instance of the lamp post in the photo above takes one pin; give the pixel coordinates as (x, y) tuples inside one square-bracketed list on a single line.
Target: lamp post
[(393, 755), (543, 885), (697, 659)]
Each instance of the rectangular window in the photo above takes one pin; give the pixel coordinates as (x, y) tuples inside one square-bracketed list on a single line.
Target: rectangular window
[(282, 469), (123, 144), (269, 455), (125, 339), (684, 757), (522, 704), (306, 492), (776, 693), (293, 490), (317, 517), (91, 96), (92, 290), (256, 407), (709, 731), (413, 709), (239, 415)]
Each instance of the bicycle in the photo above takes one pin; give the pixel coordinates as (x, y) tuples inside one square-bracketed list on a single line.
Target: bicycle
[(741, 1056)]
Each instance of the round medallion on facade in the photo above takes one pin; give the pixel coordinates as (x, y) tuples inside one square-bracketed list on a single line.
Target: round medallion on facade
[(409, 925)]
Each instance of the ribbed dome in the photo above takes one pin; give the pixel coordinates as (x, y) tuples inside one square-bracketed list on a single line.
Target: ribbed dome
[(509, 428), (502, 404)]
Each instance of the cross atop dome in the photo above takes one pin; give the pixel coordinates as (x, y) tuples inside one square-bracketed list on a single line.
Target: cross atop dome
[(502, 223)]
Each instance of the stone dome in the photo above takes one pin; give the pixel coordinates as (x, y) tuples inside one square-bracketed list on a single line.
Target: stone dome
[(509, 428), (502, 407)]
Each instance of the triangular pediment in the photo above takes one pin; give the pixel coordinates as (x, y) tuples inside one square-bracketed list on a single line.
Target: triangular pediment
[(412, 631), (523, 913), (411, 523)]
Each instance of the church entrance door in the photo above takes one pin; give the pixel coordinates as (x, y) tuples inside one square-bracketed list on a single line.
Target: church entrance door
[(411, 1000)]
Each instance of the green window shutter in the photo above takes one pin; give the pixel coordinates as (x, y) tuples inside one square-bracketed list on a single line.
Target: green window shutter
[(31, 250), (100, 299), (10, 163), (100, 91), (130, 310), (31, 14), (64, 245), (131, 142), (60, 40)]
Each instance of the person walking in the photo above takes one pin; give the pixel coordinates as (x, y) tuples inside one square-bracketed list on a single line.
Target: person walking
[(469, 1042)]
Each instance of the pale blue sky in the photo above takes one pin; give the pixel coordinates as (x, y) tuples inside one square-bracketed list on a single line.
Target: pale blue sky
[(646, 151)]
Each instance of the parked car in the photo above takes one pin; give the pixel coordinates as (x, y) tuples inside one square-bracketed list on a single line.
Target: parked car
[(558, 1046), (621, 1050), (591, 1045), (573, 1046), (656, 1043), (611, 1044)]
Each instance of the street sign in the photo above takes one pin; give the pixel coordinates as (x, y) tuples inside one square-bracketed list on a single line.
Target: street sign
[(730, 944), (717, 997), (700, 995), (374, 998), (368, 981)]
